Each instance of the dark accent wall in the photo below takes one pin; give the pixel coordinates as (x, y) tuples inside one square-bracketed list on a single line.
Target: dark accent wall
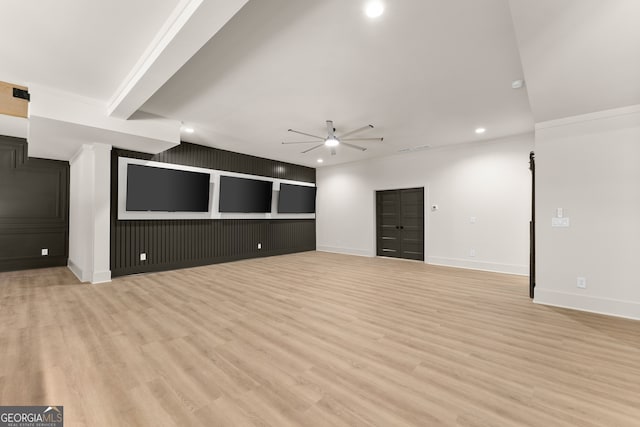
[(172, 244), (34, 208)]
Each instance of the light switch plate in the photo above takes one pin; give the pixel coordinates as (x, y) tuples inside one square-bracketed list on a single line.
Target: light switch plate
[(560, 222), (45, 252)]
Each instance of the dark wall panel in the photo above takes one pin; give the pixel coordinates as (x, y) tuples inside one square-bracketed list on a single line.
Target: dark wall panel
[(34, 192), (34, 208), (171, 244), (21, 244)]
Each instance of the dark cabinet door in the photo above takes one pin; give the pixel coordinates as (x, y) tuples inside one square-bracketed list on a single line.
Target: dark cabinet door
[(400, 223), (388, 223)]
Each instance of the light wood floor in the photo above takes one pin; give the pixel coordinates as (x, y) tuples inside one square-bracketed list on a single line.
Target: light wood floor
[(312, 339)]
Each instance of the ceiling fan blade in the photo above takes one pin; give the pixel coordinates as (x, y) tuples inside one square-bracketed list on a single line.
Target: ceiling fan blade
[(330, 129), (333, 151), (306, 134), (356, 131), (312, 148), (300, 142), (363, 139), (357, 147)]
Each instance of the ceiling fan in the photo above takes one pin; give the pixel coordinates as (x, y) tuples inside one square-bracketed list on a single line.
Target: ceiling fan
[(332, 140)]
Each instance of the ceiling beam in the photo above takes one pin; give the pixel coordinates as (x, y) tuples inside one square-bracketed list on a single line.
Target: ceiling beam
[(61, 122), (191, 24)]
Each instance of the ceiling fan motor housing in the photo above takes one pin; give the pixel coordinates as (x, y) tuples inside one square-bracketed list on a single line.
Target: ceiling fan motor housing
[(332, 141)]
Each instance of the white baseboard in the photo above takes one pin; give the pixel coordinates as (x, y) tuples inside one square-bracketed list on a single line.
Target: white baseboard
[(521, 270), (77, 271), (86, 276), (101, 276), (345, 251), (607, 306)]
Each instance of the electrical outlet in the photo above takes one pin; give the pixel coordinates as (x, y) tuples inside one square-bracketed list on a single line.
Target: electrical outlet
[(45, 252), (472, 252), (581, 283), (143, 256), (259, 245)]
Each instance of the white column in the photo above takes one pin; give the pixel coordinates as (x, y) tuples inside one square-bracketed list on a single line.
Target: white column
[(587, 204), (89, 213)]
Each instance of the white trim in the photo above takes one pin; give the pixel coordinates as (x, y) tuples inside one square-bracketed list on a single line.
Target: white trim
[(77, 271), (345, 251), (496, 267), (101, 277), (598, 115), (591, 304)]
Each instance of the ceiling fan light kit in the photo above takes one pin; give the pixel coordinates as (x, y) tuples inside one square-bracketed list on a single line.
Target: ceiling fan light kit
[(331, 140)]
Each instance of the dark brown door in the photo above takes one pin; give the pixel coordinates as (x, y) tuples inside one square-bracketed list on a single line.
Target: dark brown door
[(400, 223), (532, 227)]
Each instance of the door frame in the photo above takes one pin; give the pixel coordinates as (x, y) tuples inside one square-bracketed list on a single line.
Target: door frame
[(427, 209)]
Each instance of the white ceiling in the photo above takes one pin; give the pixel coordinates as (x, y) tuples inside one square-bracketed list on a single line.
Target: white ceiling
[(427, 72), (78, 46), (579, 56)]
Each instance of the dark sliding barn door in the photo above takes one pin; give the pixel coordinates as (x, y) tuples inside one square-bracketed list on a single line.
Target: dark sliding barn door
[(532, 227), (400, 223)]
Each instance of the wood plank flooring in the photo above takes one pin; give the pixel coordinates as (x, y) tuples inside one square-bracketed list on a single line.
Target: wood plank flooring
[(312, 339)]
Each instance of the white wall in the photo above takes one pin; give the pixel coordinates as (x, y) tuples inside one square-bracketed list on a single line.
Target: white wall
[(590, 166), (486, 180), (89, 213)]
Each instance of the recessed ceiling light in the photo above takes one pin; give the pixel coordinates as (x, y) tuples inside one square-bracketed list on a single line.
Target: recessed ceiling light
[(320, 160), (374, 9), (480, 130), (189, 130)]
